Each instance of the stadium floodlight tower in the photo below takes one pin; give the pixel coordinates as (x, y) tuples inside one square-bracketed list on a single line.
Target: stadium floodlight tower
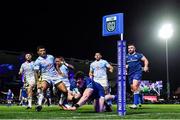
[(113, 25), (166, 33)]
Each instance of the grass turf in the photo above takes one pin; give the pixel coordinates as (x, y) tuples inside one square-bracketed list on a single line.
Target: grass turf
[(147, 111)]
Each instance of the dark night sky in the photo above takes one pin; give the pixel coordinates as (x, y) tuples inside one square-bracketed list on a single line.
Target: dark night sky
[(73, 29)]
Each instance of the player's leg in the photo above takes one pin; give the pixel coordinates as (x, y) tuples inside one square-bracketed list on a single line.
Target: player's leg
[(134, 81), (135, 85), (108, 102), (100, 97), (96, 105), (49, 101), (21, 101), (30, 92), (101, 104), (45, 101), (135, 90), (111, 97), (44, 86), (62, 88), (106, 88), (9, 102), (69, 95)]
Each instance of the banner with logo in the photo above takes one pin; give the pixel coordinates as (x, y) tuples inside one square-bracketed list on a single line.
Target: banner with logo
[(113, 24)]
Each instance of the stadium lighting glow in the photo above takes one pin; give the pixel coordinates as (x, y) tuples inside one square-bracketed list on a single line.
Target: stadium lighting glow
[(166, 31)]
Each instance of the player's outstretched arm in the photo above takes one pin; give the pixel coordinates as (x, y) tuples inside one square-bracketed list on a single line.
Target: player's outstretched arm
[(87, 93)]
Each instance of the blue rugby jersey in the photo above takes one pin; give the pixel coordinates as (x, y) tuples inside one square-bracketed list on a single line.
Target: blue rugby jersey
[(98, 90), (134, 63)]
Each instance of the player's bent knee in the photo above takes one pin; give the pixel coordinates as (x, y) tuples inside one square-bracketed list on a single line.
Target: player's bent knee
[(134, 88), (44, 86), (61, 86)]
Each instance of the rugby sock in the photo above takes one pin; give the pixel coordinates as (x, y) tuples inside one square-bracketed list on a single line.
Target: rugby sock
[(61, 99), (140, 99), (39, 91), (40, 98), (65, 98), (136, 97), (30, 101)]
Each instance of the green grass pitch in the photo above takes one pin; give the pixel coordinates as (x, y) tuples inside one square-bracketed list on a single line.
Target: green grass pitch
[(147, 111)]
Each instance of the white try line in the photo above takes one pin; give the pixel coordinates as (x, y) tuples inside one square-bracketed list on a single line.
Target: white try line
[(157, 113)]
